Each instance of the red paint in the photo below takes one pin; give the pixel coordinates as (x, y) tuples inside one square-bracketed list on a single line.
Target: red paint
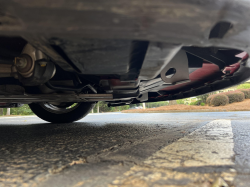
[(199, 75), (208, 72), (231, 69), (242, 55)]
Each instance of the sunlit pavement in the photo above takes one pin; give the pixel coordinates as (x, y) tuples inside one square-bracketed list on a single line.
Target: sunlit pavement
[(117, 149)]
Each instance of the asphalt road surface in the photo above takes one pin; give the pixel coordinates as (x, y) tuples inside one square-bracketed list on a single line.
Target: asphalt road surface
[(116, 149)]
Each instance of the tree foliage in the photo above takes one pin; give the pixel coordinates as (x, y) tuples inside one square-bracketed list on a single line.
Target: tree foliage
[(243, 86), (103, 107), (23, 110), (203, 98)]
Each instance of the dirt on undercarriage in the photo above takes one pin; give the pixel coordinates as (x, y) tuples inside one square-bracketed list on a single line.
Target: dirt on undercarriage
[(240, 106)]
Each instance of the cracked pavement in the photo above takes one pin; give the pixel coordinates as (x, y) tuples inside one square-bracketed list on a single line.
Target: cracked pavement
[(117, 149)]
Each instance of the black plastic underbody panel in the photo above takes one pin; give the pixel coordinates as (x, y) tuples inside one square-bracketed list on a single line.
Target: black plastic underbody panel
[(112, 25)]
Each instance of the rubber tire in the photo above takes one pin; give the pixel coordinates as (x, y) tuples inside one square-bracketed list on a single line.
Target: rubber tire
[(81, 111)]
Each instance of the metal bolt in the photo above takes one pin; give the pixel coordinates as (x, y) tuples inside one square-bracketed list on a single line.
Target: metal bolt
[(20, 62)]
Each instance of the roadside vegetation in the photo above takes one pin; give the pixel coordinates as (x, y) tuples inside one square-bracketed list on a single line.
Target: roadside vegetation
[(241, 93), (232, 99), (23, 110), (226, 98), (216, 100), (238, 106)]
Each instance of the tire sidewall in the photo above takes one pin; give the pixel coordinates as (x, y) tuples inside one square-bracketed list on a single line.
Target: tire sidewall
[(78, 113)]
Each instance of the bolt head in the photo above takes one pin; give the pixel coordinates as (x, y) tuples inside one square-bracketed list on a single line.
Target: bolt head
[(21, 62)]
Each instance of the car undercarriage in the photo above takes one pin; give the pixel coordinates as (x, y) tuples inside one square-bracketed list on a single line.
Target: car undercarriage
[(56, 54)]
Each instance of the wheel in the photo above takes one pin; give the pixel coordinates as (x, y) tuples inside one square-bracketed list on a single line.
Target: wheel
[(61, 112)]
